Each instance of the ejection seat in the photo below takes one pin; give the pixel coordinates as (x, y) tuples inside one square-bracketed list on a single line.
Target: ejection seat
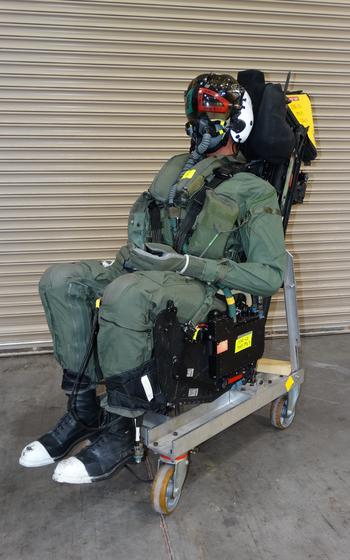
[(214, 374)]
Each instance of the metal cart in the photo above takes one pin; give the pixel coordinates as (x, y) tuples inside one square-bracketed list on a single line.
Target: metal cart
[(277, 383)]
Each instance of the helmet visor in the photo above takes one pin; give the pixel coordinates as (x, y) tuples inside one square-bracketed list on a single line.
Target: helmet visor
[(205, 100), (210, 101)]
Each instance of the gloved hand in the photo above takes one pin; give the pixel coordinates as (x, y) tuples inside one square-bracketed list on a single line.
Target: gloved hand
[(157, 256)]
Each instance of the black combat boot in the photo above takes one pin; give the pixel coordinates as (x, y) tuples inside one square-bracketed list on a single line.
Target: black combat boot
[(69, 430), (111, 448)]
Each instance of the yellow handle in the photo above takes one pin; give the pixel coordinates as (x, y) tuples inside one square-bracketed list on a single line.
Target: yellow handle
[(195, 334)]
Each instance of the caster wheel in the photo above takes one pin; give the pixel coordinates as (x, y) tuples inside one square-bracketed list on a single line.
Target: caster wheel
[(162, 493), (278, 413)]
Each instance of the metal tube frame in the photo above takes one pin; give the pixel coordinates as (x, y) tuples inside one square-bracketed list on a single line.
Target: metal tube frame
[(172, 437), (290, 302)]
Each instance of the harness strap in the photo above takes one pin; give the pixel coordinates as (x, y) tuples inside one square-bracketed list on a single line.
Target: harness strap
[(187, 223)]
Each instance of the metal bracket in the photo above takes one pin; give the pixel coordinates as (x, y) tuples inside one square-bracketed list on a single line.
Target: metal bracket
[(181, 468), (290, 302), (180, 471)]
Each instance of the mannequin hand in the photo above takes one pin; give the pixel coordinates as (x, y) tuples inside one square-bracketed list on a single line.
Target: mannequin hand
[(156, 256)]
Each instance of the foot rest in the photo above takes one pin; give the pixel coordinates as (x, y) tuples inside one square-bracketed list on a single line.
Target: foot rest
[(275, 367)]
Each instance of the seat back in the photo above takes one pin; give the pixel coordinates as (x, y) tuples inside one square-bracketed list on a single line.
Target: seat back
[(279, 143)]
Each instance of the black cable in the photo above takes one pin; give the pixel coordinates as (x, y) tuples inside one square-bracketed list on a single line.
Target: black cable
[(72, 406), (146, 481)]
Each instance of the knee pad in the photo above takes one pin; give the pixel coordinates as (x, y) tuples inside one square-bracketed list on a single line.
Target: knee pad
[(57, 275), (125, 303)]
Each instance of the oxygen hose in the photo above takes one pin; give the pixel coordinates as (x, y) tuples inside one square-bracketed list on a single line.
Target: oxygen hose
[(231, 303), (195, 156)]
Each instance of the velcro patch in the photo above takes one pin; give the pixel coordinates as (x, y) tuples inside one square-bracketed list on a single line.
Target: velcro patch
[(222, 347)]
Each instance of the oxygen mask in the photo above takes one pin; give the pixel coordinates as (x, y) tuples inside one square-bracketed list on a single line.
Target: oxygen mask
[(207, 134)]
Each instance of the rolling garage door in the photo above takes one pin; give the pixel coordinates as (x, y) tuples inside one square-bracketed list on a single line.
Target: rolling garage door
[(91, 105)]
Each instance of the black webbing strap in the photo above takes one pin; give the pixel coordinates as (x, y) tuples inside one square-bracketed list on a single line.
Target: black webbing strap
[(221, 174), (187, 223), (156, 224)]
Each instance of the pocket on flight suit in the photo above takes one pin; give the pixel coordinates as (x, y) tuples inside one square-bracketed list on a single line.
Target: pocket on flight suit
[(213, 226)]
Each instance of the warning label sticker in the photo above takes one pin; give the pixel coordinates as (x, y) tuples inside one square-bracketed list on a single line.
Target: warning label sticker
[(289, 383), (243, 341)]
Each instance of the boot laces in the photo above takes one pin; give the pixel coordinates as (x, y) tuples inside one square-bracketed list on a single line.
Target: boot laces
[(109, 421), (62, 423), (105, 437)]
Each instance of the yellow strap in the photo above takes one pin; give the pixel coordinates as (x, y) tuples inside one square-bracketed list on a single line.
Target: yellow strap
[(98, 303)]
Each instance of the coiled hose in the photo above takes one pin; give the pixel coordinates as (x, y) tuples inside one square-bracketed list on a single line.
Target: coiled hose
[(195, 156)]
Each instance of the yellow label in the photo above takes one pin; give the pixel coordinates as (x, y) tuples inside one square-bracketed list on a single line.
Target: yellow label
[(300, 105), (188, 174), (230, 300), (98, 303), (289, 383), (243, 341)]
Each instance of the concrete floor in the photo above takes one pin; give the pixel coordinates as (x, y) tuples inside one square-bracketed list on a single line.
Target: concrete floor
[(252, 492)]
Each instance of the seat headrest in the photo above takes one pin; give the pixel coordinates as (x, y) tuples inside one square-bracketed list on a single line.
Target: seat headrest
[(271, 139)]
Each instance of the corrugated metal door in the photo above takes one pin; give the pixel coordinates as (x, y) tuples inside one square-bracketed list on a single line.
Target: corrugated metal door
[(91, 105)]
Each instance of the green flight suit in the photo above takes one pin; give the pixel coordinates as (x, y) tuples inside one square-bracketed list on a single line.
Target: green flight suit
[(246, 209)]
